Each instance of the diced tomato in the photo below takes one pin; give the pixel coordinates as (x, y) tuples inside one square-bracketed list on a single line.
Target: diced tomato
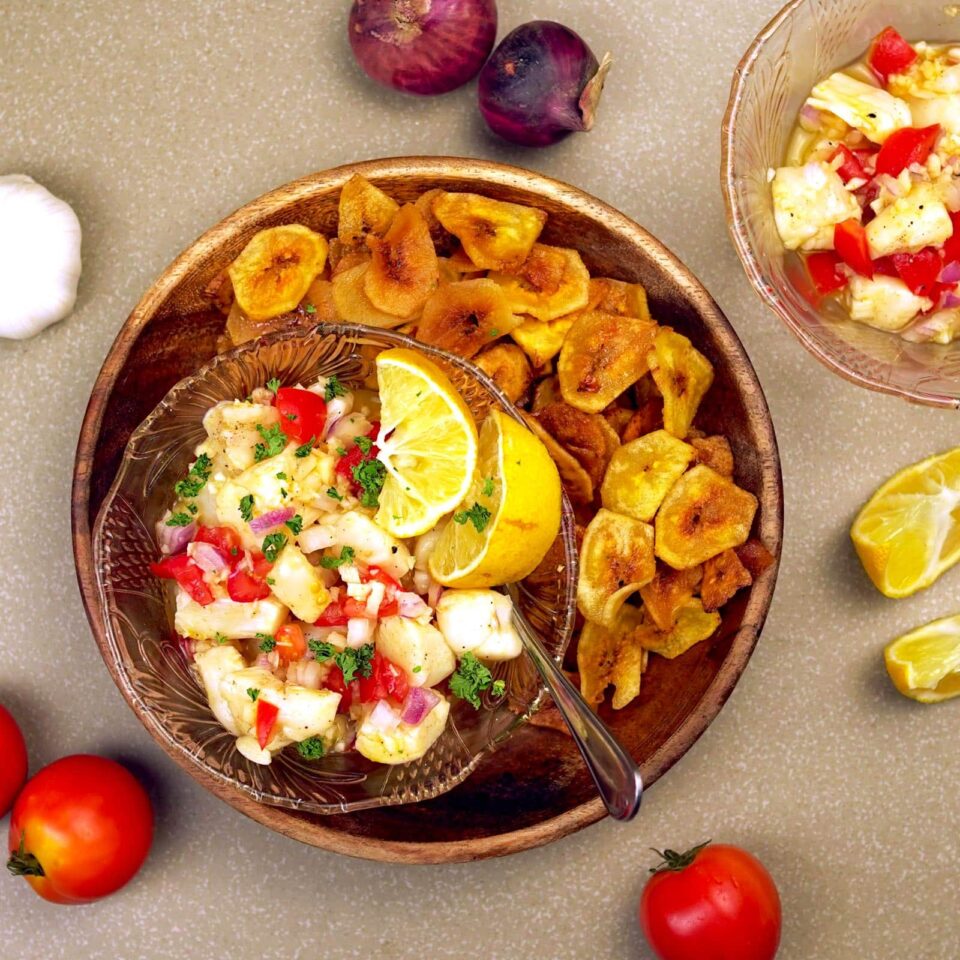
[(386, 680), (885, 267), (266, 718), (182, 569), (225, 539), (347, 693), (919, 271), (850, 168), (245, 586), (291, 644), (822, 267), (951, 247), (379, 575), (850, 241), (906, 146), (890, 53), (303, 413), (333, 616), (355, 456), (389, 608)]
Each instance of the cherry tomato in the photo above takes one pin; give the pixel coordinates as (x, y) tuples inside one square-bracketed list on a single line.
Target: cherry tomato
[(890, 53), (291, 643), (715, 902), (81, 828), (850, 240), (13, 760), (182, 569), (225, 539), (302, 414)]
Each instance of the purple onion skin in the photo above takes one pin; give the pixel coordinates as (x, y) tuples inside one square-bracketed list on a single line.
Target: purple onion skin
[(424, 47), (541, 84)]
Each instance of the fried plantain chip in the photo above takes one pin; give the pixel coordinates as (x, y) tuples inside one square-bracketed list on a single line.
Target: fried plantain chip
[(551, 283), (683, 375), (275, 269), (618, 416), (459, 261), (495, 235), (611, 655), (404, 269), (541, 340), (576, 481), (723, 576), (318, 302), (755, 557), (642, 472), (602, 355), (546, 391), (444, 242), (582, 434), (715, 452), (343, 258), (645, 420), (466, 316), (364, 209), (702, 515), (615, 561), (352, 303), (506, 364), (667, 592), (614, 296), (693, 625)]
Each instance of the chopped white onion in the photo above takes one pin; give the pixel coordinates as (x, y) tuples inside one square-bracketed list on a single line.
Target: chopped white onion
[(337, 409), (375, 598), (421, 581), (384, 717), (503, 606), (359, 631), (318, 537)]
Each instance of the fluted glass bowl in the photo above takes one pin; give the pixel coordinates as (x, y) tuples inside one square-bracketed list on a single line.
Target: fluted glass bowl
[(138, 613), (807, 40)]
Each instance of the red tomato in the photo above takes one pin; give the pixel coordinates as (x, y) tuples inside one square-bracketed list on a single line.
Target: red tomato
[(302, 414), (380, 576), (386, 680), (333, 615), (715, 902), (225, 539), (890, 53), (951, 246), (355, 456), (81, 828), (335, 683), (919, 271), (245, 586), (906, 146), (822, 267), (291, 644), (266, 719), (182, 569), (850, 240), (851, 168), (13, 760)]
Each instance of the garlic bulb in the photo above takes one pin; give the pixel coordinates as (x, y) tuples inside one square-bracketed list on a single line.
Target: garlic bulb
[(39, 257)]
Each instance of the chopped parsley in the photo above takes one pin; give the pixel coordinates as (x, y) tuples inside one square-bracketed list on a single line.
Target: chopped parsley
[(478, 515), (283, 493), (282, 476), (416, 669), (310, 308), (253, 693), (494, 332), (332, 563), (273, 385), (487, 490), (196, 479), (221, 638), (273, 543), (192, 507), (295, 523), (322, 650), (274, 440), (313, 748), (364, 443), (334, 493), (471, 678), (246, 507), (270, 581), (304, 450), (291, 416), (179, 520), (340, 451), (267, 643), (351, 662), (370, 474), (334, 388)]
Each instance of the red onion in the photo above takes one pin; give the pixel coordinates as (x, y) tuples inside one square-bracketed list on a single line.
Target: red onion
[(950, 273), (208, 558), (173, 539), (422, 46), (337, 409), (434, 593), (410, 605), (418, 703), (271, 519), (951, 300), (541, 84)]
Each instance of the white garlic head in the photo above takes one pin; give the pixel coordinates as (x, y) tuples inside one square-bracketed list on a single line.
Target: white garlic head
[(39, 257)]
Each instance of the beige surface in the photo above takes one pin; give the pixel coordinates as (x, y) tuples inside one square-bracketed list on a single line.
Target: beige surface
[(156, 119)]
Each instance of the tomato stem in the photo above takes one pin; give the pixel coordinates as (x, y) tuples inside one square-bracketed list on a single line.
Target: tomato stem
[(671, 860), (23, 864)]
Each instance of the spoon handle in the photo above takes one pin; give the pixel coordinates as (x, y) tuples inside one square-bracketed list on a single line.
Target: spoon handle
[(616, 775)]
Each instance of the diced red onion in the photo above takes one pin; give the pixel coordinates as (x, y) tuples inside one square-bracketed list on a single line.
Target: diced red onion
[(263, 660), (812, 116), (951, 300), (337, 409), (318, 537), (208, 558), (418, 704), (359, 631), (950, 273), (384, 717), (271, 519), (173, 539), (411, 605), (187, 647)]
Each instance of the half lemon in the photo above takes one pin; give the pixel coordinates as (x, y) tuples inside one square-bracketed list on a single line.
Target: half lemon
[(925, 663)]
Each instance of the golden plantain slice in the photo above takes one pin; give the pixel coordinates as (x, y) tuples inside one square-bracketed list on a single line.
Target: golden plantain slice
[(576, 481), (611, 655), (683, 375), (444, 242), (693, 625), (667, 592), (241, 329), (495, 235), (363, 209), (614, 296), (343, 258), (585, 435), (715, 452), (275, 269), (702, 515), (547, 391), (642, 472), (404, 269), (540, 340), (550, 283), (465, 316), (723, 576), (615, 561), (318, 302), (352, 303), (506, 364), (602, 355)]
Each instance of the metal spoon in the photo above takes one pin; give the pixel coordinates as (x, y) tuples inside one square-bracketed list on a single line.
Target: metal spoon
[(616, 775)]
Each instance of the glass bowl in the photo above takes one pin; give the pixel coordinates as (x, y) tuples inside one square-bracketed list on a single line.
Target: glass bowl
[(807, 40), (138, 614)]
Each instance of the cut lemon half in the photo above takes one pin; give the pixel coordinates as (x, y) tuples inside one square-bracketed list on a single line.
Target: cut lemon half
[(908, 532), (510, 515), (925, 663), (427, 441)]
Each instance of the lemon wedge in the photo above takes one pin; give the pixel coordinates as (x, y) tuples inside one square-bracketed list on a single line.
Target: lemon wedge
[(908, 533), (924, 664), (427, 441), (510, 515)]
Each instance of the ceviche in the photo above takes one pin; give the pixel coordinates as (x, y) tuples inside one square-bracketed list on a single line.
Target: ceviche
[(869, 194)]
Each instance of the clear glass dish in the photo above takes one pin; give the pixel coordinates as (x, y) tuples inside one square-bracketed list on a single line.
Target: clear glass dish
[(138, 619), (807, 40)]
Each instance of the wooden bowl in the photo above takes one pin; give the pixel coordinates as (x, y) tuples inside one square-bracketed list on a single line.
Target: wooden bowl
[(534, 789)]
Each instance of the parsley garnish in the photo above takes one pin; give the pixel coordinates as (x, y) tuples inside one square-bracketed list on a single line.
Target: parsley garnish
[(273, 543), (471, 678), (334, 388), (196, 478), (273, 385), (364, 443), (282, 476), (274, 440), (332, 563), (310, 308), (352, 662), (253, 693), (270, 581), (334, 493), (267, 643), (246, 507), (304, 450), (313, 748), (179, 520), (416, 669), (340, 451), (283, 493), (221, 638), (494, 332), (478, 515), (487, 490), (370, 474), (322, 650), (295, 523)]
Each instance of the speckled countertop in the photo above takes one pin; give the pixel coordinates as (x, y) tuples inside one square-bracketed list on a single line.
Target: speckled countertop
[(155, 119)]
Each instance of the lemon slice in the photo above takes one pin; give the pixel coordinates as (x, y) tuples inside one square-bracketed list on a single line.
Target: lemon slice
[(924, 664), (908, 533), (427, 441), (510, 515)]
